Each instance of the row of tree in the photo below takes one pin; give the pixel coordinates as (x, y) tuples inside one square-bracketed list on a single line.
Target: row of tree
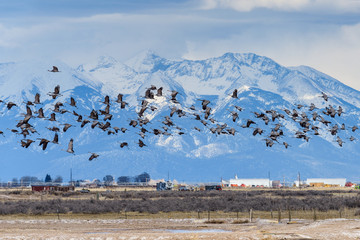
[(141, 178), (108, 180), (28, 180)]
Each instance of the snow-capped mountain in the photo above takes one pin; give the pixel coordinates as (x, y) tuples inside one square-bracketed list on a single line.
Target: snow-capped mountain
[(182, 137)]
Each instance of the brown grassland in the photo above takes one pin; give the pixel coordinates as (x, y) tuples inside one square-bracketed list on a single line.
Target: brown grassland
[(135, 213)]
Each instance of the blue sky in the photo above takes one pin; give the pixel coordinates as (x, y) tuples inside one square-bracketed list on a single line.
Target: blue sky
[(324, 34)]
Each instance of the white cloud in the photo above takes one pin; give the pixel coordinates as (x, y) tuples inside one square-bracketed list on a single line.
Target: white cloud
[(12, 36), (78, 39), (309, 39), (284, 5), (248, 5)]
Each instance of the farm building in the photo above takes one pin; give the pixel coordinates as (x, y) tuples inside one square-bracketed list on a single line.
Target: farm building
[(249, 182), (326, 182), (51, 188)]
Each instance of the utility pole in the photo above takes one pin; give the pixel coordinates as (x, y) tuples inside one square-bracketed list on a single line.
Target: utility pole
[(71, 181), (283, 180), (269, 181), (299, 180)]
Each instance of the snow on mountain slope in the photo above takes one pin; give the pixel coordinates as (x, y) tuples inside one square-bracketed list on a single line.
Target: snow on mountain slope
[(116, 77), (333, 87), (180, 136), (148, 62), (218, 76), (20, 81)]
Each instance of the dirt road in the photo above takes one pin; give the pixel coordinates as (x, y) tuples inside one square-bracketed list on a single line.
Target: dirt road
[(146, 229)]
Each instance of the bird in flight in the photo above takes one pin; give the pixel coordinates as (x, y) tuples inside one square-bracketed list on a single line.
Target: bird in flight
[(55, 69)]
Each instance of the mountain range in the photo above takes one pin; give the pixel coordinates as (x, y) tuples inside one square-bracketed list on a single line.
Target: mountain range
[(189, 145)]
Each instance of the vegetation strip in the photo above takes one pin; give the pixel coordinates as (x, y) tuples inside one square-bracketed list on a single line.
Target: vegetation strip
[(201, 202)]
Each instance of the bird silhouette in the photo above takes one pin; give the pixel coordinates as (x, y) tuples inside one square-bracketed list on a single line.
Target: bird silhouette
[(94, 115), (159, 92), (43, 142), (234, 94), (37, 98), (66, 126), (93, 156), (72, 102), (173, 96), (56, 92), (106, 100), (324, 96), (141, 143), (339, 141), (257, 131), (133, 123), (56, 139), (108, 117), (52, 117), (269, 142), (204, 103), (94, 124), (9, 105), (119, 98), (27, 142), (70, 148), (123, 144), (286, 144), (54, 69), (84, 122)]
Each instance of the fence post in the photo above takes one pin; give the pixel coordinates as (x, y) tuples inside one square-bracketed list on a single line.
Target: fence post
[(251, 215), (289, 215), (279, 215), (315, 214), (208, 215)]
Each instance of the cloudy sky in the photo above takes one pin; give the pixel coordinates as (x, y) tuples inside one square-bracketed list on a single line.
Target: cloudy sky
[(324, 34)]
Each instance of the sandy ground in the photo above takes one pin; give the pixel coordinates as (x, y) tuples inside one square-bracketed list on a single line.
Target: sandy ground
[(145, 229)]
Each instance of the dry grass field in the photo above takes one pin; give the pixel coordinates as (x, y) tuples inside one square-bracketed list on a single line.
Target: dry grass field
[(122, 223), (95, 227)]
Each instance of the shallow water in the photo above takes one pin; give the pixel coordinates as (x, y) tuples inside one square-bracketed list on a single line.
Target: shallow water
[(195, 231), (166, 230), (110, 231)]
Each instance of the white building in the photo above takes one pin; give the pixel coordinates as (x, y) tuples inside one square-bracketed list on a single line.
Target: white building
[(327, 181), (298, 183), (247, 182)]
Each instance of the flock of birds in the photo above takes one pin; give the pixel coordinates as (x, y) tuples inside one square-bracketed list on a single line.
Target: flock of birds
[(308, 118)]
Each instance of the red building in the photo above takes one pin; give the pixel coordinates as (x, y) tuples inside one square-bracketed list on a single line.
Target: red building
[(51, 188)]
